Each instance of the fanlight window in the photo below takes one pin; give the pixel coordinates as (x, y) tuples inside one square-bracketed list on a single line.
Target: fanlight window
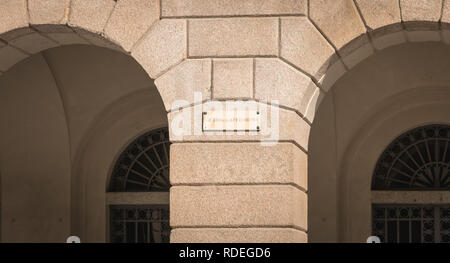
[(142, 167), (418, 159)]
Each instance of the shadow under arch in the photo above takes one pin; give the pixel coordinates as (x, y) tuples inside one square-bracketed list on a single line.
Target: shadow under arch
[(424, 96), (369, 44), (116, 126)]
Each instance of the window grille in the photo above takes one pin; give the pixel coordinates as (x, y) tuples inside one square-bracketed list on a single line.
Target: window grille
[(142, 167)]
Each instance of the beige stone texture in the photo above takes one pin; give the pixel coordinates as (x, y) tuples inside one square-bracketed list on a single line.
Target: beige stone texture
[(338, 20), (304, 46), (446, 15), (287, 125), (182, 8), (379, 13), (240, 163), (33, 43), (48, 11), (13, 14), (180, 83), (276, 80), (10, 56), (420, 10), (91, 15), (238, 235), (97, 40), (238, 206), (233, 78), (130, 20), (163, 47), (233, 37)]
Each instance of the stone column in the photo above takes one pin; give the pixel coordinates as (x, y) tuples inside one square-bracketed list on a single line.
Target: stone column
[(238, 192)]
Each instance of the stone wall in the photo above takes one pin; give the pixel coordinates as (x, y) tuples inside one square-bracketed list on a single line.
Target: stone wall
[(291, 51)]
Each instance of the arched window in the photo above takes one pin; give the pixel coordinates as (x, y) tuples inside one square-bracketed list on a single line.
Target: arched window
[(138, 197), (410, 203)]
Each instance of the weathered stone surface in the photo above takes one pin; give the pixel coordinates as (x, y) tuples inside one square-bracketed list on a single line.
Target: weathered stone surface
[(379, 13), (91, 15), (49, 11), (419, 10), (284, 125), (276, 80), (446, 15), (304, 46), (240, 163), (33, 43), (238, 206), (130, 20), (180, 83), (177, 8), (238, 235), (10, 56), (13, 14), (163, 47), (233, 78), (97, 39), (233, 37), (338, 19)]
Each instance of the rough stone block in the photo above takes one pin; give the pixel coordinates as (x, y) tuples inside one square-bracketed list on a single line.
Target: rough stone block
[(163, 47), (283, 125), (233, 37), (419, 10), (304, 46), (276, 80), (13, 14), (130, 20), (338, 19), (48, 11), (182, 8), (240, 163), (233, 78), (180, 83), (379, 13), (238, 235), (238, 206), (90, 15)]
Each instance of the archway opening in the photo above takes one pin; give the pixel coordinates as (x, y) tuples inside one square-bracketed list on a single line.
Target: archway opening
[(393, 91), (67, 113)]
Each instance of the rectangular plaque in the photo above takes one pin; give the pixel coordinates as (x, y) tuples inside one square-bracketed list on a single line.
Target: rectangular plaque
[(231, 120)]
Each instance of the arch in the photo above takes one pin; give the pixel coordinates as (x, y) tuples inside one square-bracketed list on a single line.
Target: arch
[(132, 27)]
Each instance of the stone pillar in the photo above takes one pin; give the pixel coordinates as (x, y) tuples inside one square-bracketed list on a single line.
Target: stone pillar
[(238, 192)]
